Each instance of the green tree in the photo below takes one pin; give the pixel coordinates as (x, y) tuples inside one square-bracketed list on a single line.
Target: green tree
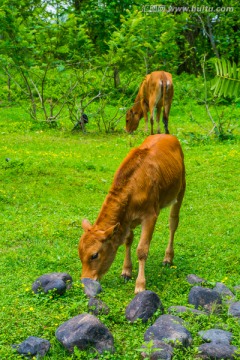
[(102, 17), (212, 28), (143, 43), (37, 54)]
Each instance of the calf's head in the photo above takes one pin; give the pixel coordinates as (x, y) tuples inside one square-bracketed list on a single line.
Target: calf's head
[(132, 120), (96, 250)]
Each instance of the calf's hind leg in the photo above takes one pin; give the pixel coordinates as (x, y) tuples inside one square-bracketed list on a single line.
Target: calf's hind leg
[(166, 112), (159, 108), (173, 224)]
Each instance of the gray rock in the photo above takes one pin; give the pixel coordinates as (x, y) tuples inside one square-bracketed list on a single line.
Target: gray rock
[(160, 351), (91, 287), (58, 286), (216, 351), (181, 309), (143, 306), (85, 331), (194, 279), (223, 290), (33, 346), (206, 298), (44, 282), (234, 309), (169, 328), (97, 307), (217, 336)]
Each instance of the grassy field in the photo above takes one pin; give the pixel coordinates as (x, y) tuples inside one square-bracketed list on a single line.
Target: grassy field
[(52, 179)]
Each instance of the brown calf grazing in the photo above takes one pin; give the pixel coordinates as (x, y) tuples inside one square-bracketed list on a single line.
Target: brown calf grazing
[(156, 91), (150, 178)]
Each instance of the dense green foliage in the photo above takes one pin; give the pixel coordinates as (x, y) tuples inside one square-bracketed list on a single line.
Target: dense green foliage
[(56, 56)]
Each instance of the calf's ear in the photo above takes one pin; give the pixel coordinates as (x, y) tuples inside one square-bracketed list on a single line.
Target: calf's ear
[(86, 225), (111, 231)]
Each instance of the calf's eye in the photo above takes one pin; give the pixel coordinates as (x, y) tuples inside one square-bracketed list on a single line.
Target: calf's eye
[(94, 256)]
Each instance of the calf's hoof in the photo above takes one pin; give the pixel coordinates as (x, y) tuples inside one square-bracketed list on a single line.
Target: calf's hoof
[(139, 289), (140, 286), (166, 263), (126, 277)]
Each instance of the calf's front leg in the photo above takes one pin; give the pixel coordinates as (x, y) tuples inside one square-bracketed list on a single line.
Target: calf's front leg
[(142, 251), (145, 114), (127, 264)]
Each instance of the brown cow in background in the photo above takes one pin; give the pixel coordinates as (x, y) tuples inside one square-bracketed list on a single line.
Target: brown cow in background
[(150, 178), (156, 92)]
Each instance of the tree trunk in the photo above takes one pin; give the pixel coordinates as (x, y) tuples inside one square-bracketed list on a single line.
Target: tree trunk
[(211, 37)]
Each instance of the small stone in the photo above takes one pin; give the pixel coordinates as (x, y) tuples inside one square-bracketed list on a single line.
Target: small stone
[(169, 328), (206, 298), (85, 331), (216, 351), (223, 290), (217, 336), (234, 309), (91, 287), (97, 307), (58, 286), (143, 306), (33, 346), (194, 279), (42, 282), (160, 350), (183, 309)]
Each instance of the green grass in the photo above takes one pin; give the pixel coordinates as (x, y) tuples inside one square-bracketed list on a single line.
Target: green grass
[(54, 179)]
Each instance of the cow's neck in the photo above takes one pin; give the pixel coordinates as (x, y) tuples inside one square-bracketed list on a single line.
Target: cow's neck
[(137, 105), (112, 211)]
